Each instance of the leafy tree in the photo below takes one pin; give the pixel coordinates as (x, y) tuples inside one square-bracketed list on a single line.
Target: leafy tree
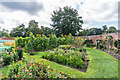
[(4, 33), (18, 31), (94, 31), (33, 27), (66, 20), (47, 30), (112, 29), (104, 28)]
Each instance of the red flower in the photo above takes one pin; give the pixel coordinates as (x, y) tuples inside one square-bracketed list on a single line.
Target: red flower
[(60, 72)]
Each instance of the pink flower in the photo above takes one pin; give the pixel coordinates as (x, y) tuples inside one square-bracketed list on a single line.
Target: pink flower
[(1, 59), (30, 71), (26, 70), (31, 50), (17, 47), (28, 51), (30, 74), (7, 52), (21, 48), (1, 74), (10, 52)]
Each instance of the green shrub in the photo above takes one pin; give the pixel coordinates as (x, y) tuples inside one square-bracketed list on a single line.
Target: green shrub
[(41, 43), (117, 44), (69, 57)]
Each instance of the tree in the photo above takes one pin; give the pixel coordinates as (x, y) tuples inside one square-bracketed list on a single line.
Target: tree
[(47, 30), (65, 21), (112, 29), (104, 28), (33, 27), (18, 31), (4, 33)]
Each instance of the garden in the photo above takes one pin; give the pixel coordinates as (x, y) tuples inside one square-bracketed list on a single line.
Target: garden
[(38, 56)]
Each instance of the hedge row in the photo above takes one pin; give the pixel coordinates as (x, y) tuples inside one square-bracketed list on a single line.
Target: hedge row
[(41, 43)]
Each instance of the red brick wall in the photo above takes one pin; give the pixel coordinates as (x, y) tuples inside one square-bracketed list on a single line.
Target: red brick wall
[(6, 38), (101, 37)]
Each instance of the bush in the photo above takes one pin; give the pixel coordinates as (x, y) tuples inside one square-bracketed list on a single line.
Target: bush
[(117, 44), (67, 57), (32, 52), (41, 43), (19, 52), (88, 43)]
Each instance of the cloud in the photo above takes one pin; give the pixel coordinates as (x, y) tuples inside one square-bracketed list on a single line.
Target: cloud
[(30, 7), (95, 13)]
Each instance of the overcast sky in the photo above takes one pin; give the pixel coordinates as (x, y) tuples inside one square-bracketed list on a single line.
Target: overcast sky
[(95, 13)]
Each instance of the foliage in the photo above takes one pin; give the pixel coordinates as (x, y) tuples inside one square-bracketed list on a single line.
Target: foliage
[(32, 52), (19, 51), (41, 42), (79, 42), (88, 43), (67, 57), (66, 21), (117, 44), (18, 31), (8, 56), (33, 27), (32, 70), (19, 41), (47, 30)]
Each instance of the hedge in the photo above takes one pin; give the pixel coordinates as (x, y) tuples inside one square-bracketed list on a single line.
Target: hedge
[(41, 43)]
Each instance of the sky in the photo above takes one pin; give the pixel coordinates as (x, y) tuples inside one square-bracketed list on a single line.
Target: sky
[(95, 13)]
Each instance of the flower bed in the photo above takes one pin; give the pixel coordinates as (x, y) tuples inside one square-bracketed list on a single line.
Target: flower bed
[(8, 56), (31, 70), (71, 57)]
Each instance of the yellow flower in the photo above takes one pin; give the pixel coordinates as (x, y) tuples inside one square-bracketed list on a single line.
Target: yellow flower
[(7, 75), (29, 41), (69, 33), (78, 37), (73, 38), (65, 35), (21, 62), (85, 38), (49, 34)]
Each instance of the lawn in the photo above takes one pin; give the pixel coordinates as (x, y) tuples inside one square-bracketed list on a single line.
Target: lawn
[(102, 65)]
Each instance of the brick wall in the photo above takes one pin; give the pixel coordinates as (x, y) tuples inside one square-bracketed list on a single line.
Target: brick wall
[(101, 37)]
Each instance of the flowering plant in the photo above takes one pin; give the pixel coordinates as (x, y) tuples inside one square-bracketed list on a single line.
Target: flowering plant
[(19, 51), (32, 52), (32, 70)]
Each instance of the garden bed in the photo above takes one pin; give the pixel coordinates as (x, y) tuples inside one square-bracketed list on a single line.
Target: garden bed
[(71, 57)]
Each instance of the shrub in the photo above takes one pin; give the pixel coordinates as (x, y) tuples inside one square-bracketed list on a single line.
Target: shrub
[(88, 42), (117, 44), (41, 43), (32, 52), (19, 52), (67, 57)]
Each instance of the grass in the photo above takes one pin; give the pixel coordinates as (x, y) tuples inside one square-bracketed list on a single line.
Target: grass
[(102, 65)]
